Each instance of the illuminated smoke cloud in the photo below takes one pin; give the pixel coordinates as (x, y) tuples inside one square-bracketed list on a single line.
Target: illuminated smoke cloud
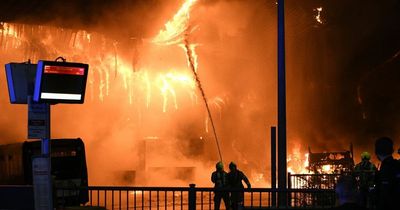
[(140, 92)]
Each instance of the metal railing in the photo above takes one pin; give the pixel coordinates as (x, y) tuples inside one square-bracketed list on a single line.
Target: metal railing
[(321, 182), (312, 181), (192, 198), (317, 182)]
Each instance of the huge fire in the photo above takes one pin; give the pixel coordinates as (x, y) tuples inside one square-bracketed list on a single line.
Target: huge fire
[(147, 85), (107, 66), (144, 86)]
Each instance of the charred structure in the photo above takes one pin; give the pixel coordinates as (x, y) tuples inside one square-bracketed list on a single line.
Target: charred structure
[(331, 162)]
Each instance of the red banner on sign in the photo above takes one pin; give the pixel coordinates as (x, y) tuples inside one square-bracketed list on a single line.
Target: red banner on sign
[(63, 70)]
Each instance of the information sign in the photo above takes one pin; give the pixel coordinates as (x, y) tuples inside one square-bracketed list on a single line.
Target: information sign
[(38, 120)]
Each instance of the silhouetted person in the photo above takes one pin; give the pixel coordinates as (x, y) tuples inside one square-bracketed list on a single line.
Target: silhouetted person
[(388, 176), (235, 178), (347, 194), (220, 180), (365, 173)]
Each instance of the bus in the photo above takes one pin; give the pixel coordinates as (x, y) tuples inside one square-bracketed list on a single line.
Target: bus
[(68, 167)]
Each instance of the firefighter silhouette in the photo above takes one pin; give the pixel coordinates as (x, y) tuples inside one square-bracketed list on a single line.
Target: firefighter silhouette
[(235, 178), (388, 176), (365, 174), (220, 179)]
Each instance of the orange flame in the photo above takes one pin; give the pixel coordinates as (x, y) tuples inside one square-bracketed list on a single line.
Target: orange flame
[(176, 32), (166, 83), (297, 162), (141, 84), (175, 28), (10, 31)]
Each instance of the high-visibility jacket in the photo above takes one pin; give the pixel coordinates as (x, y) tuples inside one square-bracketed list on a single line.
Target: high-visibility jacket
[(365, 172)]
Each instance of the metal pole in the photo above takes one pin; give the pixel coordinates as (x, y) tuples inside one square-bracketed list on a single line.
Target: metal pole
[(289, 184), (46, 150), (282, 170), (192, 197), (273, 164)]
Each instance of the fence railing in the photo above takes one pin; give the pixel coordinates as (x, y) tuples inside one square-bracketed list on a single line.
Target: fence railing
[(194, 198), (312, 181)]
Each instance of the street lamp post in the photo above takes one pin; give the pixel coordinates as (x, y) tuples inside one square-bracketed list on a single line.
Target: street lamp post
[(282, 168)]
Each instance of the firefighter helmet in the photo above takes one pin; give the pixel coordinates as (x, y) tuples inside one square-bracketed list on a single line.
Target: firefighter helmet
[(219, 166), (365, 156)]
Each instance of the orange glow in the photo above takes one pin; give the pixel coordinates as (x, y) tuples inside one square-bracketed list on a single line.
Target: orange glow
[(151, 91), (175, 28), (174, 33), (140, 84), (327, 169), (170, 81), (106, 66), (13, 38), (297, 162), (191, 50)]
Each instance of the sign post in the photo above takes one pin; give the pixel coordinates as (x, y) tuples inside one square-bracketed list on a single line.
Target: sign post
[(38, 120), (55, 82), (42, 186), (39, 128)]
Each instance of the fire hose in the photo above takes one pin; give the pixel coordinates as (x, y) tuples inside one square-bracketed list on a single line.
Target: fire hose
[(192, 67)]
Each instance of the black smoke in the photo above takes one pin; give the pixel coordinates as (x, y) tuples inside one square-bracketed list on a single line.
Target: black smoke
[(346, 70)]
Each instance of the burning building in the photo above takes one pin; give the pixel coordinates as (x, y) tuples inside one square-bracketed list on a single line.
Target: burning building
[(141, 85)]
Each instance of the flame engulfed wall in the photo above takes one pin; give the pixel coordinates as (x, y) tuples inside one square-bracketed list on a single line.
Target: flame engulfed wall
[(143, 111)]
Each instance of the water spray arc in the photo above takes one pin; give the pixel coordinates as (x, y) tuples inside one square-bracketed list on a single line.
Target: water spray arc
[(196, 76), (177, 32)]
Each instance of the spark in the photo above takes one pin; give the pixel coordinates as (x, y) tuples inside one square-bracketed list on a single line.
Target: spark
[(172, 34), (91, 84), (101, 85), (218, 103), (148, 89), (170, 80), (166, 88), (192, 51), (318, 16)]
